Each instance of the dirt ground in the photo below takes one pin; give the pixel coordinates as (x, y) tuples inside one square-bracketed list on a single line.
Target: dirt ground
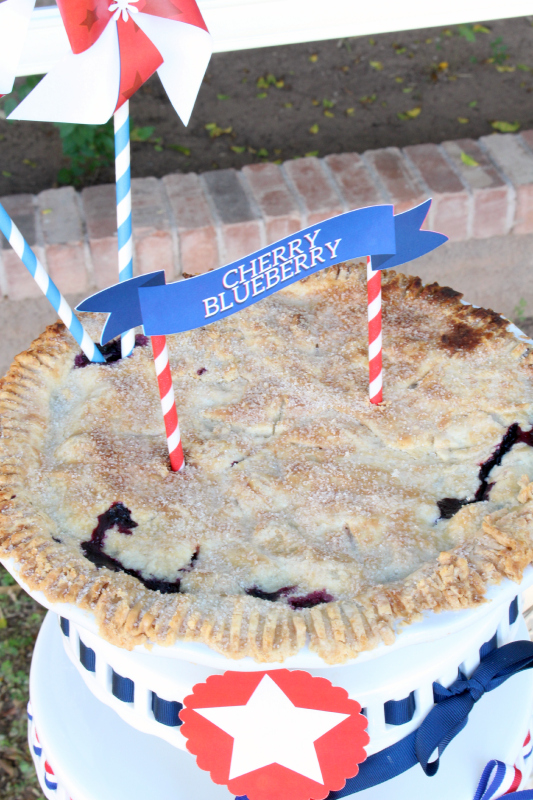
[(326, 97)]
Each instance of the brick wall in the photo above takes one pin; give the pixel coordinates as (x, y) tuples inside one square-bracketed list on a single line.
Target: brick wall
[(188, 224)]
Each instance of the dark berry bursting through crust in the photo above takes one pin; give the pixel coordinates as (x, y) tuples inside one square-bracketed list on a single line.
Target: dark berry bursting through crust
[(449, 506), (117, 515), (110, 351)]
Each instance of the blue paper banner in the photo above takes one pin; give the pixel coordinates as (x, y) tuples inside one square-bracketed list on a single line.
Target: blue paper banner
[(164, 309)]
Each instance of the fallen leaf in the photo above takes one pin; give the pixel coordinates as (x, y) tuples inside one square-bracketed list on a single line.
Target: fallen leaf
[(468, 160), (398, 80), (368, 99), (141, 134), (287, 105), (11, 771), (472, 104), (28, 162), (278, 151), (407, 89), (412, 113), (447, 32), (328, 113), (384, 103), (180, 149), (443, 66), (372, 42), (345, 69), (350, 112), (46, 211), (222, 96), (463, 120), (523, 67), (215, 131), (429, 41), (376, 65), (262, 153), (400, 50), (261, 95), (481, 29), (278, 161), (502, 68), (261, 83), (315, 102), (505, 127), (238, 149), (314, 128), (328, 103), (313, 58), (312, 154)]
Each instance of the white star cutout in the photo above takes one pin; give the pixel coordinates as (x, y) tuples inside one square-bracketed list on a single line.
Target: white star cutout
[(270, 729)]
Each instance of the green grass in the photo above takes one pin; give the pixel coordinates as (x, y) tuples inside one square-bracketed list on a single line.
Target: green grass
[(20, 619)]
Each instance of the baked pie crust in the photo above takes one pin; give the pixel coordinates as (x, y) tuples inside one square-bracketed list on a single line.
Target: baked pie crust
[(304, 514)]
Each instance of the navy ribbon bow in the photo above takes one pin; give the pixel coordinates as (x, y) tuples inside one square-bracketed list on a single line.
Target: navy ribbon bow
[(453, 705)]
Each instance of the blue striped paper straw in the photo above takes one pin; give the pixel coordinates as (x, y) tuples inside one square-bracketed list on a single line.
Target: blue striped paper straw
[(123, 179), (48, 287)]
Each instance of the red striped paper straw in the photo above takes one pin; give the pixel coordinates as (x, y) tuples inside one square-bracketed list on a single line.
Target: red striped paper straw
[(168, 404), (375, 374)]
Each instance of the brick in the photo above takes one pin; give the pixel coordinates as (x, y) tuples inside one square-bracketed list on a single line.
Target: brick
[(19, 284), (402, 188), (152, 234), (99, 208), (516, 162), (197, 236), (63, 238), (276, 202), (355, 183), (450, 207), (316, 193), (492, 197), (240, 227)]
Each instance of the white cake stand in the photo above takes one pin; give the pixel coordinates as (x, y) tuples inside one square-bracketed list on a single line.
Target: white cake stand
[(95, 755)]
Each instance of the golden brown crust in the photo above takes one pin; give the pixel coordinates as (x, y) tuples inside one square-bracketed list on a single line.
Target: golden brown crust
[(431, 342)]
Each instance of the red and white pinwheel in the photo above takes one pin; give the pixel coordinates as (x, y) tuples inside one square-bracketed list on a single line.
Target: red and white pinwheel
[(14, 20), (116, 46)]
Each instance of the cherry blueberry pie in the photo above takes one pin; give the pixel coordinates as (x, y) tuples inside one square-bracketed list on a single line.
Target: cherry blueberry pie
[(304, 513)]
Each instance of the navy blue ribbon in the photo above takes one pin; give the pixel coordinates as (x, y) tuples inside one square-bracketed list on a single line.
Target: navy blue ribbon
[(163, 309), (446, 719)]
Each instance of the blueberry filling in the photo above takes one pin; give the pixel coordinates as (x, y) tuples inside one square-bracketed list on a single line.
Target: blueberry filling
[(306, 601), (255, 591), (110, 351), (118, 516), (201, 371), (449, 506)]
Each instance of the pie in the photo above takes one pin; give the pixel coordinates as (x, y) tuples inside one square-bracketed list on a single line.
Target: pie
[(305, 514)]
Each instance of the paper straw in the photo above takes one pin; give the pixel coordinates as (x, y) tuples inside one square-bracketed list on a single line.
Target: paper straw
[(168, 404), (375, 375), (123, 188), (48, 287)]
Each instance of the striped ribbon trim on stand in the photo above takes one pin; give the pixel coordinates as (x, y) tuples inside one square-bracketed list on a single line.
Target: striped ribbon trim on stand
[(124, 222), (48, 287), (375, 374), (168, 404), (500, 780)]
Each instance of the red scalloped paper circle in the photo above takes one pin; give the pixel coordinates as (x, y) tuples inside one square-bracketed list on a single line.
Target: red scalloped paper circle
[(339, 751)]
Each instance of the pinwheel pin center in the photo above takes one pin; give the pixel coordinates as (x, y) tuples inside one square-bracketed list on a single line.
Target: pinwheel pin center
[(123, 7)]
